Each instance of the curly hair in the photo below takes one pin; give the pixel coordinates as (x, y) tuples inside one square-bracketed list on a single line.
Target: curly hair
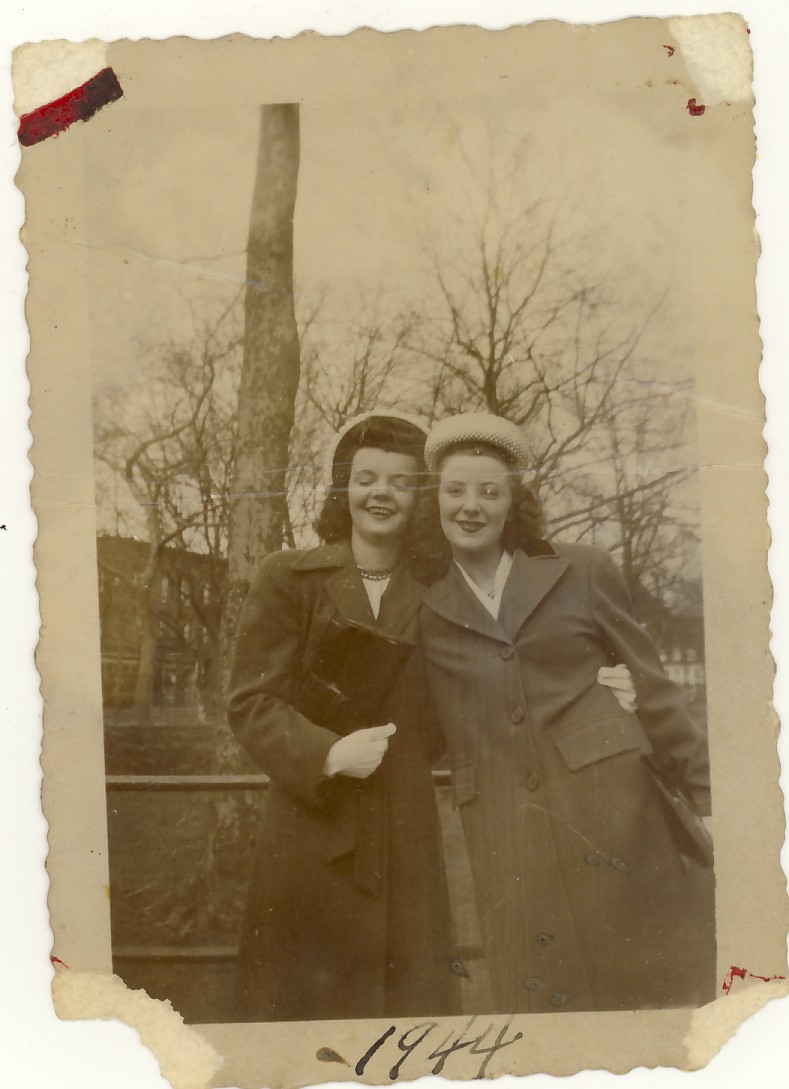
[(386, 433), (523, 529)]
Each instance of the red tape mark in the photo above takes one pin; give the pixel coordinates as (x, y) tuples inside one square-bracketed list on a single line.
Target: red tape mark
[(693, 109), (743, 973), (57, 960), (78, 105)]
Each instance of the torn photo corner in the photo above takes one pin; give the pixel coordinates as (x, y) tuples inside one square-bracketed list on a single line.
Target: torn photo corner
[(241, 250)]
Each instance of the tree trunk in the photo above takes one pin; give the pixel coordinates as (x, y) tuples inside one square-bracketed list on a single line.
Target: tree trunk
[(266, 402), (148, 628), (270, 370), (269, 377)]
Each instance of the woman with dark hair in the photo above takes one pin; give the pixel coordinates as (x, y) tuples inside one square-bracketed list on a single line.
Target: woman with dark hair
[(587, 894), (348, 913)]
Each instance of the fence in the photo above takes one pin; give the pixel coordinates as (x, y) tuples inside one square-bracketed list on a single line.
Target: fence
[(198, 978)]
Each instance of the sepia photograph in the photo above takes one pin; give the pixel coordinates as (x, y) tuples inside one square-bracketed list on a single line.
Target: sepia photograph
[(261, 517), (402, 409)]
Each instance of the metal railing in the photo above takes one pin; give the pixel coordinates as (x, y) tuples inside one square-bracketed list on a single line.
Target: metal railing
[(205, 954), (213, 782)]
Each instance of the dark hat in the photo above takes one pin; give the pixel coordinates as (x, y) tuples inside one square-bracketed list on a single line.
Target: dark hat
[(382, 415)]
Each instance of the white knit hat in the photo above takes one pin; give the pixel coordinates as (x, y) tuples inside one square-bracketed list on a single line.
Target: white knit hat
[(374, 414), (481, 427)]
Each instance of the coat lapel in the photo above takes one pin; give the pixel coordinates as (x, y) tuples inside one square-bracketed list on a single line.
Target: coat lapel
[(400, 602), (344, 586), (402, 598), (531, 578), (346, 589), (452, 598)]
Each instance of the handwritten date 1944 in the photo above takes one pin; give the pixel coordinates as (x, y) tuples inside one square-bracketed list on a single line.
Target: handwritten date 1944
[(413, 1037)]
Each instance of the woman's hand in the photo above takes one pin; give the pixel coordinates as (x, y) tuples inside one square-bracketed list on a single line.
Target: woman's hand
[(618, 679), (360, 753)]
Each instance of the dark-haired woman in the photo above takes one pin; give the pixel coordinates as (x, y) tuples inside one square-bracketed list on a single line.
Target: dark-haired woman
[(585, 900), (348, 914)]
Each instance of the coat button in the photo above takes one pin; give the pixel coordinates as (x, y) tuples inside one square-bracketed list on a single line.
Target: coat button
[(507, 653), (532, 782), (594, 859), (561, 998), (518, 715), (534, 984), (458, 967)]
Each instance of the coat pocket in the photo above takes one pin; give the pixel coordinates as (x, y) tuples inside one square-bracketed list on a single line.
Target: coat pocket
[(464, 784), (598, 738)]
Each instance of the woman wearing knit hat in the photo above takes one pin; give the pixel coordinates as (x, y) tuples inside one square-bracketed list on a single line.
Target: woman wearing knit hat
[(592, 892), (348, 913)]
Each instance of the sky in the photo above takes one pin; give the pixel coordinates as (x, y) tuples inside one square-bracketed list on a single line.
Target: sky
[(399, 153), (595, 125)]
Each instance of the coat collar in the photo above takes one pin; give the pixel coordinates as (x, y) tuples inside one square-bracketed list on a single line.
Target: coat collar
[(344, 586), (324, 558), (531, 578)]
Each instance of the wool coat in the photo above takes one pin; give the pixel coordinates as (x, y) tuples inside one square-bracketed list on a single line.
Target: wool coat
[(348, 911), (584, 899)]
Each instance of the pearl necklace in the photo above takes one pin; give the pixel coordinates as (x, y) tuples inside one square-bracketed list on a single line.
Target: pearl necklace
[(374, 576)]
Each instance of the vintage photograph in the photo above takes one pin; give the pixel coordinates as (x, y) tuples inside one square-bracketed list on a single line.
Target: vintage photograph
[(402, 633), (401, 410)]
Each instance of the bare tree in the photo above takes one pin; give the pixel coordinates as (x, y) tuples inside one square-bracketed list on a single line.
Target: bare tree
[(270, 371), (521, 332), (258, 495), (635, 496), (348, 368), (169, 447)]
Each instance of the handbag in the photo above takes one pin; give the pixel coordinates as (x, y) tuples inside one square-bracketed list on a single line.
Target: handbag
[(354, 671), (682, 813)]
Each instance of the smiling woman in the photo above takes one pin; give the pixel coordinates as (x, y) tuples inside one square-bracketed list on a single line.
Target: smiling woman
[(587, 898), (381, 497), (474, 501), (348, 911)]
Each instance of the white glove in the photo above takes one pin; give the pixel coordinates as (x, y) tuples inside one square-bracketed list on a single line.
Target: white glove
[(360, 753), (618, 679)]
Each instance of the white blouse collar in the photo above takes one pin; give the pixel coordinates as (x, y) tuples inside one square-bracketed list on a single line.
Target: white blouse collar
[(492, 600)]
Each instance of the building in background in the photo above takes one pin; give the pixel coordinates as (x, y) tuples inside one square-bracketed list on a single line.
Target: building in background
[(683, 655), (184, 624), (186, 629)]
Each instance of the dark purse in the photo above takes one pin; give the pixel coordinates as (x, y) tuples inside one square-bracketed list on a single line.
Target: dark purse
[(682, 813), (354, 671)]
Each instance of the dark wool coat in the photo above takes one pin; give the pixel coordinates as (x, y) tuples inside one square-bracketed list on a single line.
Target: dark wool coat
[(348, 913), (585, 902)]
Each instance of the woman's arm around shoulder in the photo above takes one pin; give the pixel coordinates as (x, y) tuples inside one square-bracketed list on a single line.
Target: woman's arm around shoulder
[(662, 710)]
